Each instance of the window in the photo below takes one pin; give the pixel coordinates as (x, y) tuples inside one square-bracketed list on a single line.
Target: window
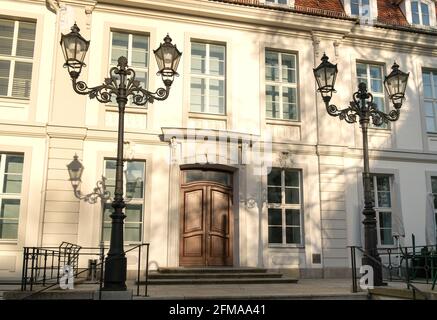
[(434, 192), (281, 86), (381, 197), (276, 1), (284, 207), (208, 78), (11, 175), (360, 8), (420, 13), (430, 99), (135, 47), (134, 211), (372, 75), (17, 40)]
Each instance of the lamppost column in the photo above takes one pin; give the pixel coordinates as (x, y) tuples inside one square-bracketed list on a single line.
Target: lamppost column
[(115, 263), (370, 231)]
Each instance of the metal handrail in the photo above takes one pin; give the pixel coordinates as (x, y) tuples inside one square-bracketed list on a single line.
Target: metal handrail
[(407, 280), (100, 264)]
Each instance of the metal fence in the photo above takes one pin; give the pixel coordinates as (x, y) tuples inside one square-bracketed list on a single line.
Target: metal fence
[(44, 266)]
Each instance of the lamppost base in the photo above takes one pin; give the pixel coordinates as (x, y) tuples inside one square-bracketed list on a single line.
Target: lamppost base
[(115, 274)]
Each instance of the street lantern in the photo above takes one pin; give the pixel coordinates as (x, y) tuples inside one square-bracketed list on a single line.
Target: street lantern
[(396, 84), (75, 170), (74, 47), (363, 110), (167, 57), (326, 74), (119, 86)]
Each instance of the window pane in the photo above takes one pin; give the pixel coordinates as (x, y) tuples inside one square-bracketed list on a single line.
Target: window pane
[(22, 79), (120, 42), (292, 217), (291, 178), (355, 7), (140, 48), (383, 183), (275, 234), (375, 72), (217, 60), (385, 219), (216, 96), (134, 213), (135, 173), (198, 58), (386, 236), (288, 68), (427, 88), (361, 70), (26, 39), (274, 177), (4, 76), (214, 176), (274, 195), (198, 91), (379, 101), (272, 101), (292, 196), (14, 164), (107, 231), (430, 124), (429, 109), (110, 176), (272, 66), (10, 209), (415, 12), (434, 185), (384, 200), (275, 217), (289, 101), (8, 229), (425, 14), (292, 235), (132, 232), (12, 183), (6, 36)]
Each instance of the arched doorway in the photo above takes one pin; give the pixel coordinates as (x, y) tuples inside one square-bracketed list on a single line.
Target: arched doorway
[(206, 218)]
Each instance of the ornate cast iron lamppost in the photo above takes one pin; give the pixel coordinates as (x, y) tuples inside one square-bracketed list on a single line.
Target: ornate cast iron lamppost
[(120, 84), (362, 108)]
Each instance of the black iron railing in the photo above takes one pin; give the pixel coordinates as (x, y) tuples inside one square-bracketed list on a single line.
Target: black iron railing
[(410, 265), (43, 266)]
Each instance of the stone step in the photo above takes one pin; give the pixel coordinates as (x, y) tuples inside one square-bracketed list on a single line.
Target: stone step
[(211, 270), (220, 281), (159, 275)]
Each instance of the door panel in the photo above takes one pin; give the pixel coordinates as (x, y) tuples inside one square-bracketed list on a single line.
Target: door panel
[(192, 245), (206, 225)]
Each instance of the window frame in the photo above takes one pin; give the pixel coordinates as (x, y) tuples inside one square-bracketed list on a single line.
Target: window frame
[(420, 13), (283, 207), (382, 95), (13, 59), (10, 196), (281, 85), (432, 100), (132, 201), (378, 209), (207, 77), (360, 9)]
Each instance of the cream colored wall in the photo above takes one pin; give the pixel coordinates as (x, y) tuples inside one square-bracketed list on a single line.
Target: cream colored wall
[(56, 123)]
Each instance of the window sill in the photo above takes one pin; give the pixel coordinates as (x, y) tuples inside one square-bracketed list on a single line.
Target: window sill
[(13, 102), (204, 115), (288, 122), (8, 242), (286, 246)]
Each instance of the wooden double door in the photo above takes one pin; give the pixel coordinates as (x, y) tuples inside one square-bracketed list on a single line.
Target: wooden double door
[(206, 225)]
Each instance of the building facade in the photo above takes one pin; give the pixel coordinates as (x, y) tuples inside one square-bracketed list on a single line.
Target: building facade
[(241, 165)]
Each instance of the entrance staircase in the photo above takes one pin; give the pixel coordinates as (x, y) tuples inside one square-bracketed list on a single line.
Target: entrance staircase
[(216, 275)]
